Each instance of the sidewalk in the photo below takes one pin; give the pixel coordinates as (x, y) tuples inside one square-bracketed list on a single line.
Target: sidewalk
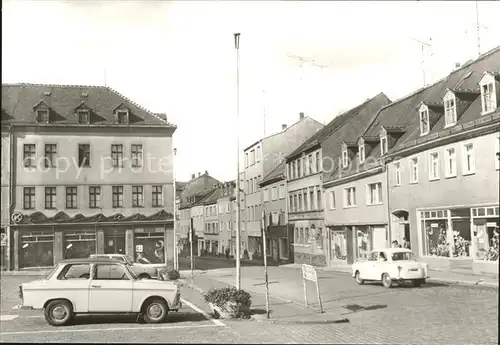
[(436, 276), (281, 311)]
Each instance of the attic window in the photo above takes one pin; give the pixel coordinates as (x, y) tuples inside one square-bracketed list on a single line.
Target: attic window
[(122, 117), (42, 115), (450, 110), (487, 96), (83, 116), (383, 145), (345, 158), (424, 121), (361, 153)]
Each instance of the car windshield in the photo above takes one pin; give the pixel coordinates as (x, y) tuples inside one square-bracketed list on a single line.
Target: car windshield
[(51, 273), (401, 256)]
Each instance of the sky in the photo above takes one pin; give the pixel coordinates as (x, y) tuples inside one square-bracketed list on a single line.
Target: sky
[(179, 58)]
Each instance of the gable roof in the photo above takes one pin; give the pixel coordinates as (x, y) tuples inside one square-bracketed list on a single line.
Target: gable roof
[(403, 113), (198, 187), (18, 101), (275, 175), (288, 128), (321, 136)]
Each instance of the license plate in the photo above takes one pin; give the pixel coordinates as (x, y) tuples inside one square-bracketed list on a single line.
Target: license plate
[(413, 269)]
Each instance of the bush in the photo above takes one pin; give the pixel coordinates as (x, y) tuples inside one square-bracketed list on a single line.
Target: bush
[(168, 274), (221, 297)]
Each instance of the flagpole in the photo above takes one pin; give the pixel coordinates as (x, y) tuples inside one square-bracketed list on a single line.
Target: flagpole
[(238, 267)]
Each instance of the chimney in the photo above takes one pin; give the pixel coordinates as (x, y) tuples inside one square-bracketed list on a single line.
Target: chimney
[(193, 176), (301, 116), (206, 172), (457, 65), (283, 126), (199, 174)]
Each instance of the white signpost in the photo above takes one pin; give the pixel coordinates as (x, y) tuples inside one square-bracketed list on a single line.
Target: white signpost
[(309, 273)]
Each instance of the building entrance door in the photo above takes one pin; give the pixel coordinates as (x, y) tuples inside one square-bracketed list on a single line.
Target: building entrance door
[(379, 237), (114, 242)]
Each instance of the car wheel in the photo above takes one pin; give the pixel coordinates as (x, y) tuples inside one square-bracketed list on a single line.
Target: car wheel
[(155, 311), (59, 313), (386, 280), (418, 282), (358, 278), (144, 276)]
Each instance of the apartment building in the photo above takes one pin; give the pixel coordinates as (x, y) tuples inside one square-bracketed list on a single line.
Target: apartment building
[(193, 192), (279, 234), (307, 168), (443, 169), (5, 197), (211, 233), (262, 157), (90, 172), (226, 206)]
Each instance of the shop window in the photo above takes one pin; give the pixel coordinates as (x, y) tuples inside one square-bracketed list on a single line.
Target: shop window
[(364, 242), (338, 245), (79, 244), (438, 235), (150, 246), (486, 233), (36, 249)]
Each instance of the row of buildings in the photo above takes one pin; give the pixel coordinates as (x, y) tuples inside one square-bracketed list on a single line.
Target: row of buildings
[(84, 170), (422, 170)]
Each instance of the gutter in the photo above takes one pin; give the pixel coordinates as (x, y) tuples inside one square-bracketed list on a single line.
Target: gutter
[(443, 140), (354, 177)]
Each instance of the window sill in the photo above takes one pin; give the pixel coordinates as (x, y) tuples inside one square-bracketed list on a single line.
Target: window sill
[(434, 179), (469, 173), (376, 204), (414, 182), (449, 126), (50, 208), (396, 185), (487, 112), (450, 176), (352, 206)]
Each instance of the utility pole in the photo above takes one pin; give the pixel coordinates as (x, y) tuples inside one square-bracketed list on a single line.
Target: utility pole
[(176, 254), (423, 45), (238, 269)]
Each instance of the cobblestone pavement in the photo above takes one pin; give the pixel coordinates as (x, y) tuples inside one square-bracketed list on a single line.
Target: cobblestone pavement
[(430, 315)]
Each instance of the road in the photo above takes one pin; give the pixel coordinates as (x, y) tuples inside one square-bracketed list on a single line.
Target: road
[(433, 314)]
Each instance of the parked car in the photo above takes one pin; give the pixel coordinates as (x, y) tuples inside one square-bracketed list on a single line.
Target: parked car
[(390, 265), (90, 286), (144, 271)]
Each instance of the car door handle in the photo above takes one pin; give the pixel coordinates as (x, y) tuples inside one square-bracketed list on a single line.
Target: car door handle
[(96, 286)]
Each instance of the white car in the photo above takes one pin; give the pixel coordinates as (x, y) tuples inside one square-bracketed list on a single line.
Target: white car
[(144, 271), (390, 265), (93, 286)]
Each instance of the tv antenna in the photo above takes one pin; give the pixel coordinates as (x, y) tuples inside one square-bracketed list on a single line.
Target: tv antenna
[(423, 44), (302, 60)]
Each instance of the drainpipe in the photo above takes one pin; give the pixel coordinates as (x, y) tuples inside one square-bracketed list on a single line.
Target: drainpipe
[(389, 215), (12, 180)]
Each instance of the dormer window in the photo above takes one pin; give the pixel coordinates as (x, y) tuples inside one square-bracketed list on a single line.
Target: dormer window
[(42, 115), (122, 116), (83, 116), (488, 95), (383, 145), (361, 149), (424, 120), (345, 158), (450, 109)]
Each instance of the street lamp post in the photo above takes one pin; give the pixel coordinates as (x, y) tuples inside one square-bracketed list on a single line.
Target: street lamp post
[(238, 270)]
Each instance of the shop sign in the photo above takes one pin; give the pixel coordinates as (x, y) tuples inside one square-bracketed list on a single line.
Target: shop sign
[(139, 248)]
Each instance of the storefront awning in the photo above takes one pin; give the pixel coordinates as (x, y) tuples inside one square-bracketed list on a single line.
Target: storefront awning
[(63, 218)]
